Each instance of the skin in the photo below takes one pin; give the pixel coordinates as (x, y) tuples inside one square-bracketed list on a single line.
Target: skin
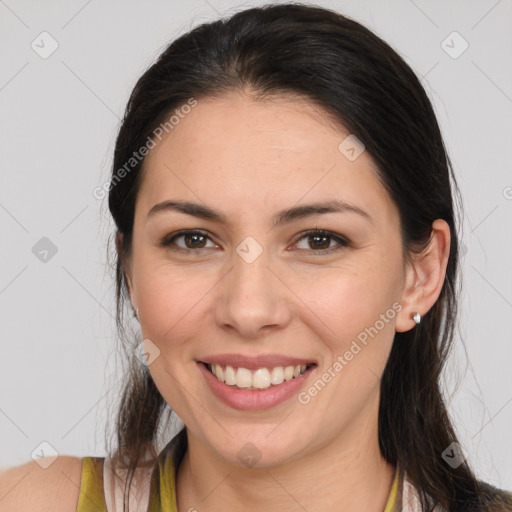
[(251, 159)]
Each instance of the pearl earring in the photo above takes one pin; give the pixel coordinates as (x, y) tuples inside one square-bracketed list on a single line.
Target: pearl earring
[(416, 317)]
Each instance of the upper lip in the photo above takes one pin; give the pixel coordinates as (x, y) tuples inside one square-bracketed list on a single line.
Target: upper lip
[(255, 362)]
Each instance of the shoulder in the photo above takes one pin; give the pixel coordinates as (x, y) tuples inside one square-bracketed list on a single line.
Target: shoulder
[(29, 486)]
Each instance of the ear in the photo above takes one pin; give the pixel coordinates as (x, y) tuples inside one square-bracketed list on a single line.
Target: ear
[(126, 268), (424, 277)]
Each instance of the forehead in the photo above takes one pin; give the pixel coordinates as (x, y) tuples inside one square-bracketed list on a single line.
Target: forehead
[(268, 152), (233, 124)]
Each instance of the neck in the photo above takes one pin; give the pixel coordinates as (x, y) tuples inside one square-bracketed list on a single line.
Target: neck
[(346, 474)]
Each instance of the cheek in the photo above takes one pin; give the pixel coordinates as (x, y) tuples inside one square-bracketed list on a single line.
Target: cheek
[(171, 312), (338, 301), (170, 305), (348, 300)]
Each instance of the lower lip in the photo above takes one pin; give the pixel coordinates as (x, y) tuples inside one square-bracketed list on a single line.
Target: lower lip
[(254, 400)]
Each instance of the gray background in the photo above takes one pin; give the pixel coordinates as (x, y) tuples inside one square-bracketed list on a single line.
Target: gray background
[(60, 116)]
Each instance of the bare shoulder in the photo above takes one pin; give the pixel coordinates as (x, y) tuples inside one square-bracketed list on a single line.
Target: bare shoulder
[(30, 487)]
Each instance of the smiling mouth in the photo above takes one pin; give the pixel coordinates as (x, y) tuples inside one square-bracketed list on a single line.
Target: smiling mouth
[(259, 379)]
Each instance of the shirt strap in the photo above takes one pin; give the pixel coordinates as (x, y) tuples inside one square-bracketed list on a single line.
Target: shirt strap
[(91, 497), (113, 485)]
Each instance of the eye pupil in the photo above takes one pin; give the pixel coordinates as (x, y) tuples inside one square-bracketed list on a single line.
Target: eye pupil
[(319, 242), (195, 237), (316, 238)]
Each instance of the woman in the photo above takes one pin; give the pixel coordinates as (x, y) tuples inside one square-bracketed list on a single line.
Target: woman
[(287, 238)]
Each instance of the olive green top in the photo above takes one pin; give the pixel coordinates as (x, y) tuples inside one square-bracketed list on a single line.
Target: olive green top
[(162, 486)]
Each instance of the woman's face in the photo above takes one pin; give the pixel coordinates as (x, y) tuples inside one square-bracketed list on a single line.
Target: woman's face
[(250, 287)]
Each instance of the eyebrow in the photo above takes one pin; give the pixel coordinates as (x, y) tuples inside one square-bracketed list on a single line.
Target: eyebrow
[(283, 217)]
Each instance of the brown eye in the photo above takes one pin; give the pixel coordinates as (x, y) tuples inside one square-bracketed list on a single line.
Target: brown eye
[(192, 241), (319, 241)]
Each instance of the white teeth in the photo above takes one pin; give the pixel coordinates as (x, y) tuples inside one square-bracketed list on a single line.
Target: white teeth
[(288, 373), (277, 375), (262, 378), (218, 372), (230, 375), (243, 378)]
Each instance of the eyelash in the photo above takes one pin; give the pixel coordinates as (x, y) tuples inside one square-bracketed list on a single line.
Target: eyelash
[(342, 241)]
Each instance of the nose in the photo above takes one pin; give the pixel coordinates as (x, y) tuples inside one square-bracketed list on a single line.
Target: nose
[(252, 299)]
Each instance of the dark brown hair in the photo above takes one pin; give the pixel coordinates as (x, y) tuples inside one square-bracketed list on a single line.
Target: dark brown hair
[(359, 80)]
